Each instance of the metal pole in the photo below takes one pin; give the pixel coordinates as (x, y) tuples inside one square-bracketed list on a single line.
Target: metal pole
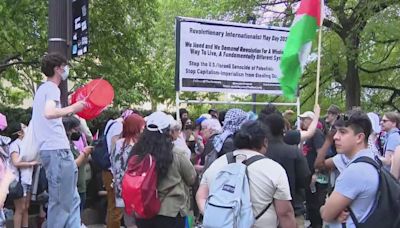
[(178, 118), (254, 96), (298, 112), (58, 17)]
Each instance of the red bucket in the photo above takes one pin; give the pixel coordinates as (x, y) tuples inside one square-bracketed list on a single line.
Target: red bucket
[(98, 93)]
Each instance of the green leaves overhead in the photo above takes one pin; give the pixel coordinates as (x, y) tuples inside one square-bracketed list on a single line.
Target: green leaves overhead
[(132, 45)]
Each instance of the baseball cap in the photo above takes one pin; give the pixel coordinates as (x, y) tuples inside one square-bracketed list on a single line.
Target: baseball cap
[(158, 121), (307, 114), (3, 122), (333, 109)]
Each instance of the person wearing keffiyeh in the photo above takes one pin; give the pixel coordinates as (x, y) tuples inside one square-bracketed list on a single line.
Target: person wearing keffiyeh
[(234, 118)]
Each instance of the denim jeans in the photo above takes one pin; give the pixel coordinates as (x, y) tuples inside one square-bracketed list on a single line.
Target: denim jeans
[(62, 176)]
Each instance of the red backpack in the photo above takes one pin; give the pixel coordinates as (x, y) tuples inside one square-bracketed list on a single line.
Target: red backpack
[(139, 187)]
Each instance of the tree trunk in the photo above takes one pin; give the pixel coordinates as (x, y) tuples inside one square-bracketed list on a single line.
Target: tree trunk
[(153, 105), (352, 83)]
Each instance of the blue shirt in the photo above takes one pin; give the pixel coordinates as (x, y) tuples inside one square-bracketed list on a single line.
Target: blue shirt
[(358, 182), (392, 140)]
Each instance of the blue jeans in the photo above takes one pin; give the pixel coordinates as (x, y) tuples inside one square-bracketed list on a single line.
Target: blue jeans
[(62, 177)]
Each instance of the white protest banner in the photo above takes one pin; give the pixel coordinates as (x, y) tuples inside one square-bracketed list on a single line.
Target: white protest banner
[(228, 57)]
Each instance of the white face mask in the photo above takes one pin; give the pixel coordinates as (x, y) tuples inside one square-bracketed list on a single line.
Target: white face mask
[(65, 74)]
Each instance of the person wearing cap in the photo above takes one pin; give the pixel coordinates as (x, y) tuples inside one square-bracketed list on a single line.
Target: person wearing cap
[(23, 171), (174, 170), (315, 198), (295, 137), (112, 132), (54, 148)]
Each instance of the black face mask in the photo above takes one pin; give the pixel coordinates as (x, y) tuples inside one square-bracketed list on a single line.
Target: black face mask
[(75, 136)]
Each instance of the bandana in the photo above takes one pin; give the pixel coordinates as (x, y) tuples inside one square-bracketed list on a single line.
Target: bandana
[(234, 118)]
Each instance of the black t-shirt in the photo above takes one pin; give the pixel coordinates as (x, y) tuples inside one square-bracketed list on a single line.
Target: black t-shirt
[(295, 165), (311, 146)]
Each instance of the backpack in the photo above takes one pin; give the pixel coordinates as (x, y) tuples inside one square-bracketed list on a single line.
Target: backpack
[(100, 155), (228, 204), (139, 187), (386, 211)]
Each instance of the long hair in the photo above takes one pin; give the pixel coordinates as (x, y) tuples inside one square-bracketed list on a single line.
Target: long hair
[(132, 128), (157, 144)]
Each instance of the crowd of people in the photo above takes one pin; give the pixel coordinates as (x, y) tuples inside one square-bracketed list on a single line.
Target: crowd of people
[(308, 169)]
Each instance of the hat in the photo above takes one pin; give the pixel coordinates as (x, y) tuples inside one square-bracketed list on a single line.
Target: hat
[(202, 118), (334, 109), (158, 121), (374, 118), (3, 122), (307, 114)]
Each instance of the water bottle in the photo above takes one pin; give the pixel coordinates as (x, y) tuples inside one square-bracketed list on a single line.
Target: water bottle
[(313, 188)]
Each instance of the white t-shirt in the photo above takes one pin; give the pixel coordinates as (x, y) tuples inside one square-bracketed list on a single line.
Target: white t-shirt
[(26, 173), (115, 129), (268, 181), (49, 133)]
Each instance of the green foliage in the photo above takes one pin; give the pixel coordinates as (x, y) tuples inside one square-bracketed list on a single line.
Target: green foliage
[(132, 45), (23, 37)]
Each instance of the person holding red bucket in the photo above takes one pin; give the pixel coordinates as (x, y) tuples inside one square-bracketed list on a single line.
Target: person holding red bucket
[(49, 134), (54, 148)]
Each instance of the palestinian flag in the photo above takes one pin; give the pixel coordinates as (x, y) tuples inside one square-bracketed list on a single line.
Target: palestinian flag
[(298, 46)]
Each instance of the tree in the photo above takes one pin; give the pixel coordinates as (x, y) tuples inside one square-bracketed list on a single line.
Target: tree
[(22, 42)]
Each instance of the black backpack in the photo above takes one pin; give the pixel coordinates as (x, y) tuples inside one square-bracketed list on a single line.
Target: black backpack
[(386, 209), (100, 155)]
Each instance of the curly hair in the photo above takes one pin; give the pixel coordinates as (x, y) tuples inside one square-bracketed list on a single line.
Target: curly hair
[(157, 144)]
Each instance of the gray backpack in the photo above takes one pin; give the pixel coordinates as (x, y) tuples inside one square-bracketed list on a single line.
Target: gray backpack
[(228, 204)]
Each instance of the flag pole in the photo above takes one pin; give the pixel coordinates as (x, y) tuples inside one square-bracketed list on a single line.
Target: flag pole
[(318, 63)]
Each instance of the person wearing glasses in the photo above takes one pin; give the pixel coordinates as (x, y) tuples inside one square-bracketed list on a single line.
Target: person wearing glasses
[(390, 123)]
